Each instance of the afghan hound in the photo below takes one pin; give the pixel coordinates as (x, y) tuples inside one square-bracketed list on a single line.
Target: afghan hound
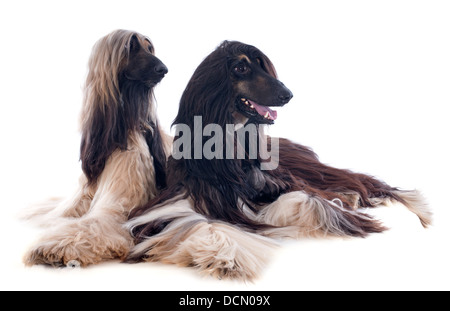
[(123, 155), (225, 207)]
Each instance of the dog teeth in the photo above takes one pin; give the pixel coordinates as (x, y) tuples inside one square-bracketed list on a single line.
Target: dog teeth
[(267, 115), (245, 101)]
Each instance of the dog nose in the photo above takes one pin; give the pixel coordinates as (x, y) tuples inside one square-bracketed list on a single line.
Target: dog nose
[(286, 96), (161, 69)]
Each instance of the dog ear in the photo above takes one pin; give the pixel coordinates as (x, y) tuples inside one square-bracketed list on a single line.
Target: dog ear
[(104, 132), (268, 66), (134, 45)]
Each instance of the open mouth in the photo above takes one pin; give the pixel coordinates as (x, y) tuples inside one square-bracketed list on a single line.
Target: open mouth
[(263, 114)]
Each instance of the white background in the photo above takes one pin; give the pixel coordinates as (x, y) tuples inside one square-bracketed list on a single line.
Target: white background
[(371, 90)]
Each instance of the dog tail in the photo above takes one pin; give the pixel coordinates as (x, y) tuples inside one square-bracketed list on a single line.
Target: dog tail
[(378, 193), (48, 212), (353, 189), (39, 213), (412, 199), (416, 203)]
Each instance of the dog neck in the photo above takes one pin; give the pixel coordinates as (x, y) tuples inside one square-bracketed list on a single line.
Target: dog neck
[(139, 115)]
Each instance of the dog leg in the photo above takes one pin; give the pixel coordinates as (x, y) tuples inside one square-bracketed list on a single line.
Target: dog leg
[(125, 183), (187, 238), (48, 213), (87, 240), (297, 214), (98, 235)]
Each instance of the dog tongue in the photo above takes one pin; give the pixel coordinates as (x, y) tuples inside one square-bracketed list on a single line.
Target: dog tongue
[(264, 111)]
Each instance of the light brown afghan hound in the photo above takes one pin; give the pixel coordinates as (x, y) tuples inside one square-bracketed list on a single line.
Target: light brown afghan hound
[(222, 212), (123, 155)]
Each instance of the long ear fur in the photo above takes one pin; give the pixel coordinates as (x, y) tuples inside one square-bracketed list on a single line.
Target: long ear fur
[(156, 144), (102, 122), (208, 92)]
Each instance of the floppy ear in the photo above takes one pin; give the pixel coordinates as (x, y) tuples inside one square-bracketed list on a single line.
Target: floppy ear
[(208, 93), (103, 121), (268, 66), (134, 45), (156, 145), (103, 132)]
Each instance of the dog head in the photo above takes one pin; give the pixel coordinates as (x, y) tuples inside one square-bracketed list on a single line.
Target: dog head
[(255, 85), (236, 83), (141, 64)]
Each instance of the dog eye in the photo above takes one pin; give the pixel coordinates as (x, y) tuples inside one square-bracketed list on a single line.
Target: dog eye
[(241, 69)]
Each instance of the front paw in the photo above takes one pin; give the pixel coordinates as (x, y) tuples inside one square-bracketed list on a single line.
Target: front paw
[(68, 249), (81, 243), (51, 255)]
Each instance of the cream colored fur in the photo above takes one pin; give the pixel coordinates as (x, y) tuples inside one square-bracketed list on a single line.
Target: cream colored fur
[(226, 251), (214, 248), (89, 227)]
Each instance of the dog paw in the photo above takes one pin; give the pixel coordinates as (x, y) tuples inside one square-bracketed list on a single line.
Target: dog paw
[(226, 252), (81, 243), (56, 255), (229, 270)]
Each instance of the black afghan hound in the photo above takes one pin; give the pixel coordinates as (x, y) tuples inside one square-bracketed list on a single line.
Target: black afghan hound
[(225, 201)]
